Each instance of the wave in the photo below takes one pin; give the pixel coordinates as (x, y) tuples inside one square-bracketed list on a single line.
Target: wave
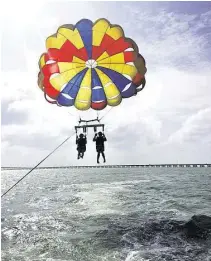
[(160, 240)]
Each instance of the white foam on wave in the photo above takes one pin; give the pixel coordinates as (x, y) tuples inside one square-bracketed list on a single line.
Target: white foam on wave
[(103, 198), (35, 222), (10, 233), (134, 256), (99, 199)]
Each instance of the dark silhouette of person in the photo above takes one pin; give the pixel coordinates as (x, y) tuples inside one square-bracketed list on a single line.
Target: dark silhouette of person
[(81, 141), (100, 139)]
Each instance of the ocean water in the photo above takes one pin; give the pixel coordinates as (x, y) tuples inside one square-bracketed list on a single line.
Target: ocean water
[(104, 214)]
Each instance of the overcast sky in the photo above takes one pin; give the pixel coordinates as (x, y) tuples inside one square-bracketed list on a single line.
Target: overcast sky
[(168, 122)]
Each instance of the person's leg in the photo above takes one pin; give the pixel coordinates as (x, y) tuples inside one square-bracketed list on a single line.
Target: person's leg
[(103, 154), (98, 156), (84, 150), (78, 152)]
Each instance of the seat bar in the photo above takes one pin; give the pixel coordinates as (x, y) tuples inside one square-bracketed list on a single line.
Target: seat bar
[(89, 126), (89, 120)]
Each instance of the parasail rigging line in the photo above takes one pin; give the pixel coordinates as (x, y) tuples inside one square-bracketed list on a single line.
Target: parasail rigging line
[(106, 113), (37, 165)]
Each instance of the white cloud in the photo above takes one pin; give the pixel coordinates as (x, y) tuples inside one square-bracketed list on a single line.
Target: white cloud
[(195, 129)]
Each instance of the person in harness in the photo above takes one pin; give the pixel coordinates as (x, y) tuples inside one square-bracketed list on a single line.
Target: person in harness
[(100, 139), (81, 142)]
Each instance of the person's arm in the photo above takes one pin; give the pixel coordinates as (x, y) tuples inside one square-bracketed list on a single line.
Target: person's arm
[(95, 137), (85, 140), (104, 137), (76, 139)]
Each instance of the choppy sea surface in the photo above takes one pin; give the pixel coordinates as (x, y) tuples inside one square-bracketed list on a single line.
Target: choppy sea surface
[(104, 214)]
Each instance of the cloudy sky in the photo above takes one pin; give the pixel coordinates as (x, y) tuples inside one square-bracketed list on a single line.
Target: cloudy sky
[(168, 122)]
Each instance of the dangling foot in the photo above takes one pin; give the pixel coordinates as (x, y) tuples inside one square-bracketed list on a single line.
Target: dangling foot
[(104, 161), (98, 162)]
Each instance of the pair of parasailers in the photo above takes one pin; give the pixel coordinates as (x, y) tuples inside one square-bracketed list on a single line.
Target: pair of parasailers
[(99, 138)]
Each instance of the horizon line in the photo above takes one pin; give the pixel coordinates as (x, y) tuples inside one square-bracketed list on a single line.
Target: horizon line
[(70, 166)]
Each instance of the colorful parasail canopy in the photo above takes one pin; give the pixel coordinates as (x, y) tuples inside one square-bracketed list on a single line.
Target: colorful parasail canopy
[(90, 65)]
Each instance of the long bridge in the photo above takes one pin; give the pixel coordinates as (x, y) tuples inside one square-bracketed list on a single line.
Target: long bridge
[(206, 165)]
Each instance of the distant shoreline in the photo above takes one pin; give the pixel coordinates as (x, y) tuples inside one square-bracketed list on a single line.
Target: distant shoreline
[(202, 165)]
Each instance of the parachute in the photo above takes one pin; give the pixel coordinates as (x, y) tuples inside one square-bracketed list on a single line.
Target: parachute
[(90, 65)]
